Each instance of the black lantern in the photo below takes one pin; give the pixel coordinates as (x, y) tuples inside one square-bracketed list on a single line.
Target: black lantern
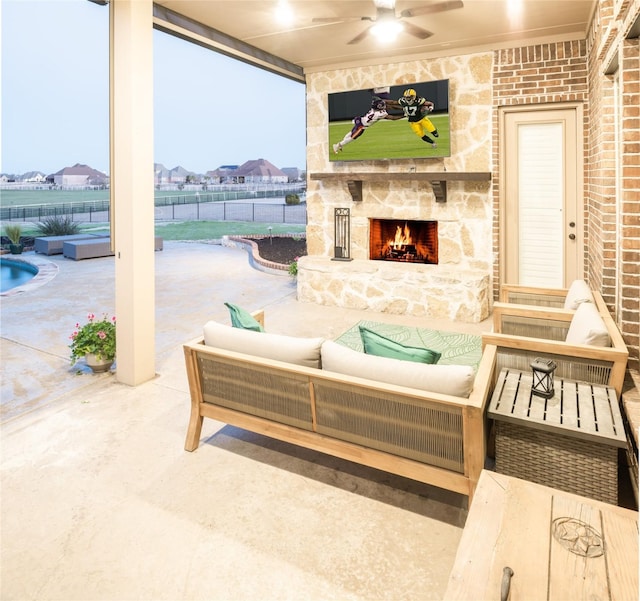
[(342, 243), (543, 377)]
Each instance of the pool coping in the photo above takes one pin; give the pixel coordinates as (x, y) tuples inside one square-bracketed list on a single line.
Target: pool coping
[(46, 272)]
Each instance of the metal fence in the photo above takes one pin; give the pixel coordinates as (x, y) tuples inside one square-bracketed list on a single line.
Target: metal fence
[(89, 211), (234, 211), (186, 208)]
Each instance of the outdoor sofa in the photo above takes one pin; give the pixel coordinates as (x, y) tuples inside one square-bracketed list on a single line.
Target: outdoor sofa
[(424, 422)]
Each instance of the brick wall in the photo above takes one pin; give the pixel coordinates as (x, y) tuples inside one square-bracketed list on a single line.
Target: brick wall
[(542, 74), (578, 71), (613, 166), (629, 318)]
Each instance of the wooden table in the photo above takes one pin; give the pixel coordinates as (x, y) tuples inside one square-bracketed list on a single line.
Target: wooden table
[(559, 546), (569, 442)]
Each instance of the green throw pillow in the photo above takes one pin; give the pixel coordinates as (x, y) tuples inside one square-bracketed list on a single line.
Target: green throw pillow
[(375, 344), (243, 319)]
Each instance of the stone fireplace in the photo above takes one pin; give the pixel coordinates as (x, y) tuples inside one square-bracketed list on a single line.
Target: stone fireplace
[(448, 274), (407, 262), (407, 241)]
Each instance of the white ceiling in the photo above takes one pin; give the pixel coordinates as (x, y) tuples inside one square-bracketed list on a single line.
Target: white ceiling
[(478, 25)]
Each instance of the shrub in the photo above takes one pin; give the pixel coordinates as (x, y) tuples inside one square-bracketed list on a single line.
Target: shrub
[(58, 225), (13, 231), (292, 199), (293, 268)]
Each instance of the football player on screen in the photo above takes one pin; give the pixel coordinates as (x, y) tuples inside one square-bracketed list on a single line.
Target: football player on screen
[(377, 112), (416, 108)]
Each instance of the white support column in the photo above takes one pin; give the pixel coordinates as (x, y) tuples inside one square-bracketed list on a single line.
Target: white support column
[(132, 196)]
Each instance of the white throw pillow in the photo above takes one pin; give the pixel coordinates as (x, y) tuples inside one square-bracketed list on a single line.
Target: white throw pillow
[(578, 293), (588, 327), (456, 380), (300, 351)]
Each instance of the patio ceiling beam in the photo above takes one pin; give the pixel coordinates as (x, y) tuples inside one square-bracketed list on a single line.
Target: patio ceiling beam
[(187, 29)]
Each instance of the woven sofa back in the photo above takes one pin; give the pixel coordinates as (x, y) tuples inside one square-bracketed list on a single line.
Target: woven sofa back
[(410, 427), (277, 395)]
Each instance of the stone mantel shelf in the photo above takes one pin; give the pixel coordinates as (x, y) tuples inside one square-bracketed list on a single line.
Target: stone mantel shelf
[(437, 179)]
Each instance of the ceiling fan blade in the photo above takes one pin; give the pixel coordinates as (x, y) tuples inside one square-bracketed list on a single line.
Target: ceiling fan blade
[(339, 19), (416, 31), (361, 36), (438, 7)]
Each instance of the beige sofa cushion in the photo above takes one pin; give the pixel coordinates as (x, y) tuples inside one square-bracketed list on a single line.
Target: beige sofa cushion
[(456, 380), (588, 327), (579, 292), (299, 351)]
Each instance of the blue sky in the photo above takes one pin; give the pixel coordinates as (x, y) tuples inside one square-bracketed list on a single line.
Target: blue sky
[(209, 110)]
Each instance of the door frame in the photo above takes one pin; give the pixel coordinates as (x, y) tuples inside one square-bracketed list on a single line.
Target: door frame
[(503, 111)]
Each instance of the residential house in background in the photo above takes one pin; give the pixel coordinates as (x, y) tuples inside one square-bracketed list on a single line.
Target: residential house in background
[(35, 177), (180, 175), (256, 171), (260, 171), (161, 175), (78, 175), (177, 176), (293, 173), (224, 174)]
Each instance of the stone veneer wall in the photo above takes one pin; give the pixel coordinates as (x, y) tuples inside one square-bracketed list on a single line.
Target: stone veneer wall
[(464, 221)]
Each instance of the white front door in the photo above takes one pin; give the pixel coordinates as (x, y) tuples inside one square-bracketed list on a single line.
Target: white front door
[(541, 200)]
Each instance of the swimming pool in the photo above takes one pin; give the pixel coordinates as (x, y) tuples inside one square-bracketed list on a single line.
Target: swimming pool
[(15, 273)]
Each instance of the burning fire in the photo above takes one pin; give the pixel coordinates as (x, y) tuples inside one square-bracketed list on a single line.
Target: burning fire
[(402, 238), (412, 242)]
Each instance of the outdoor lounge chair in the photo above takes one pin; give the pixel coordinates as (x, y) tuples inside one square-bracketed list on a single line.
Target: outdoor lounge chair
[(572, 339), (565, 298), (52, 245), (96, 247)]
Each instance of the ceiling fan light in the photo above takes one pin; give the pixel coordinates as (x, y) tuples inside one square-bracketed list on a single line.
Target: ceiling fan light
[(284, 13), (386, 31)]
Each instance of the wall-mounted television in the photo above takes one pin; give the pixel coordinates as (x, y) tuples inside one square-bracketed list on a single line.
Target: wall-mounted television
[(391, 122)]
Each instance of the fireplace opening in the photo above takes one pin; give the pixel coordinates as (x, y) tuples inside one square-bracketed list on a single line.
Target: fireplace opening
[(408, 241)]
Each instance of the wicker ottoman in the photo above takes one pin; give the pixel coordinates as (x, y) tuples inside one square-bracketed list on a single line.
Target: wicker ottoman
[(569, 442)]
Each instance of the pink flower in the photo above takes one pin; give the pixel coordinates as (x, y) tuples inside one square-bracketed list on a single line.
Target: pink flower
[(113, 319), (101, 335), (91, 317)]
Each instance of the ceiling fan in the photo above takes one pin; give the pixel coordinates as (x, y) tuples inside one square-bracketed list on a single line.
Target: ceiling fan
[(388, 23)]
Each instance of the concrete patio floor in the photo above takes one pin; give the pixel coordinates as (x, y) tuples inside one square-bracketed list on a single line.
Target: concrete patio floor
[(100, 501)]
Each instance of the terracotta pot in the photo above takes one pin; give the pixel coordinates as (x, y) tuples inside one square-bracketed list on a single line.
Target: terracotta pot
[(98, 365)]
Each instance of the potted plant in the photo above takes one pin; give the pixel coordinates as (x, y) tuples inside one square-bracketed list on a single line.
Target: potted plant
[(95, 341), (14, 232)]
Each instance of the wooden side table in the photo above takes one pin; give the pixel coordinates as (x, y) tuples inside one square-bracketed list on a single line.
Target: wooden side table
[(569, 442), (559, 546)]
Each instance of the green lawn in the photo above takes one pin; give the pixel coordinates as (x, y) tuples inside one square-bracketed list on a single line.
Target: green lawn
[(389, 139), (197, 230), (212, 230)]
